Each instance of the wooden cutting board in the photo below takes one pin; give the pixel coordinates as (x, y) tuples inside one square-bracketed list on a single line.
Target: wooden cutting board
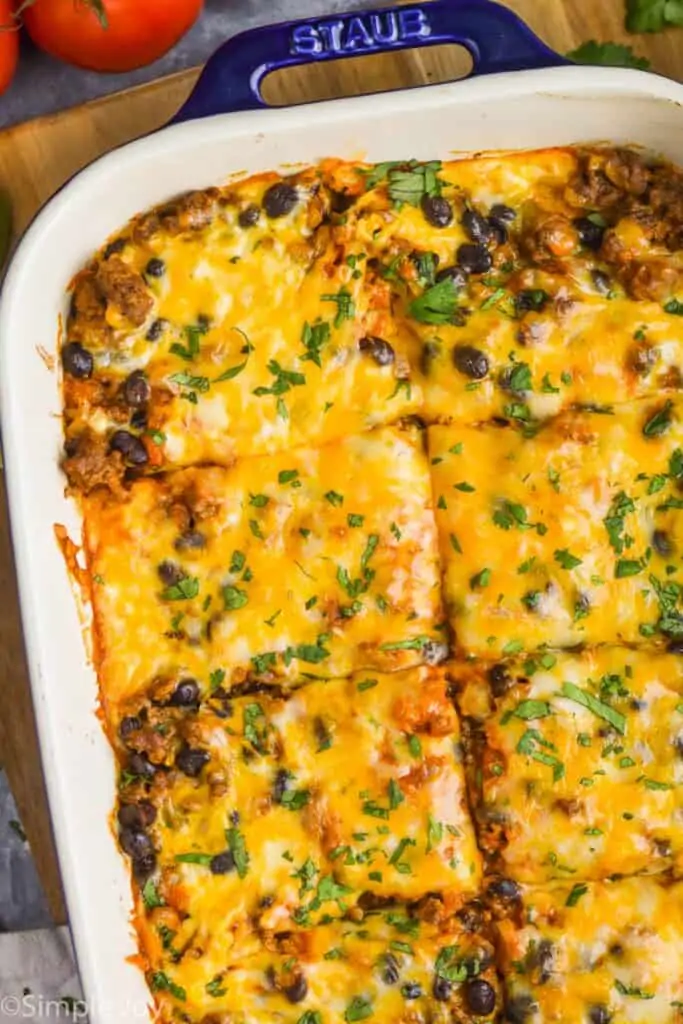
[(39, 156)]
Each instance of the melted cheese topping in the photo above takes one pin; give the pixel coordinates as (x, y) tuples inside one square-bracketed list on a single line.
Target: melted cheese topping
[(316, 560), (579, 768), (384, 969), (264, 547), (317, 830), (571, 536), (580, 947)]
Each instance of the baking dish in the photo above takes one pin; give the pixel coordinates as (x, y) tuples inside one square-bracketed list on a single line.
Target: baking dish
[(521, 96)]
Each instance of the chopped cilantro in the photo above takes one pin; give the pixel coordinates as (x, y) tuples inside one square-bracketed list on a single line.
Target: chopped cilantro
[(564, 558), (346, 307), (184, 590)]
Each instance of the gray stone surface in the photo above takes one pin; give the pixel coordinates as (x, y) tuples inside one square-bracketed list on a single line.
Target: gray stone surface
[(44, 85), (22, 903)]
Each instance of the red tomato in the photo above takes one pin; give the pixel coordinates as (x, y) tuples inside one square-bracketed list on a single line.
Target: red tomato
[(109, 35), (9, 44)]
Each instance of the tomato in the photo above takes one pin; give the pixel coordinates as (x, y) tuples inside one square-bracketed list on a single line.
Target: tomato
[(9, 44), (109, 35)]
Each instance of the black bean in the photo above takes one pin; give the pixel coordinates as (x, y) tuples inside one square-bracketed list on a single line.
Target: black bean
[(662, 847), (504, 889), (248, 216), (391, 972), (470, 916), (191, 761), (637, 704), (280, 199), (501, 212), (234, 818), (544, 959), (500, 682), (675, 646), (531, 299), (136, 389), (137, 816), (138, 419), (135, 844), (411, 990), (601, 282), (520, 1009), (435, 651), (442, 989), (190, 540), (455, 274), (474, 259), (661, 542), (77, 361), (476, 226), (378, 349), (222, 863), (616, 950), (470, 361), (590, 234), (480, 997), (185, 694), (430, 351), (169, 573), (599, 1015), (128, 725), (322, 733), (144, 867), (280, 785), (130, 446), (437, 210), (498, 233), (340, 202), (156, 329), (155, 268), (298, 990), (118, 245), (139, 764)]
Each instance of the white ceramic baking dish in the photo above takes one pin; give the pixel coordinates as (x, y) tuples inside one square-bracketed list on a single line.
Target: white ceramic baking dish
[(504, 110)]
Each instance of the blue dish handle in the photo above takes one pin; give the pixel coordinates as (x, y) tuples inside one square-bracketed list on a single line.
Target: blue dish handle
[(496, 38)]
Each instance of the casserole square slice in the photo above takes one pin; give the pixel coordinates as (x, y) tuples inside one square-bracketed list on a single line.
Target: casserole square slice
[(196, 337), (282, 813), (317, 561), (391, 966), (572, 535), (575, 762), (594, 951), (526, 283)]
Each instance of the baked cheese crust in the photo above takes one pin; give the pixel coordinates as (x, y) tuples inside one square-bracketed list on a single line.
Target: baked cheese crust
[(315, 561), (392, 967), (589, 951), (567, 537), (576, 762), (274, 815)]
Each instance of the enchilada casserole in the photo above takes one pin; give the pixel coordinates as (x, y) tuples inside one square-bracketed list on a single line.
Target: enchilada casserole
[(381, 476)]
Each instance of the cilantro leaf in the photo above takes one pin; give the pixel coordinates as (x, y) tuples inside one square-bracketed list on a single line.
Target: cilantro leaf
[(615, 55), (598, 707), (653, 15), (437, 304), (234, 598), (238, 849), (183, 590), (566, 559)]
